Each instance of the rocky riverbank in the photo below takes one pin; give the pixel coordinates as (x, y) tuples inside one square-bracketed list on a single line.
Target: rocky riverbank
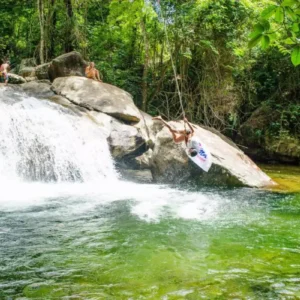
[(137, 142)]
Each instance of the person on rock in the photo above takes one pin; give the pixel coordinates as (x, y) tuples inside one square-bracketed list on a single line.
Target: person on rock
[(4, 71), (92, 73), (180, 136)]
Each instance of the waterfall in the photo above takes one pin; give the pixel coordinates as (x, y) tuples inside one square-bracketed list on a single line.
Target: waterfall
[(44, 141)]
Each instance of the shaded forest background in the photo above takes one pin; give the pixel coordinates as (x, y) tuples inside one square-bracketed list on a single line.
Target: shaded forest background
[(222, 80)]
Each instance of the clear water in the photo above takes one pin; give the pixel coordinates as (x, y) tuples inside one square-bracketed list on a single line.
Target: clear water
[(81, 233), (131, 241)]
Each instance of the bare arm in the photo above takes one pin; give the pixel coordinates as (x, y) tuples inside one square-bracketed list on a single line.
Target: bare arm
[(190, 126)]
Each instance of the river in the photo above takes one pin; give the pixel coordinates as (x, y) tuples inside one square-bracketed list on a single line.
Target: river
[(70, 228)]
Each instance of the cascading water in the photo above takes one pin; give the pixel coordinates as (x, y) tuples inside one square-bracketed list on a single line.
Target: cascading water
[(43, 141), (69, 229)]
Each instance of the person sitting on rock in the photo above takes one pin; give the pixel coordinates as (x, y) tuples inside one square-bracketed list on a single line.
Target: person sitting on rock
[(181, 135), (4, 71), (92, 73)]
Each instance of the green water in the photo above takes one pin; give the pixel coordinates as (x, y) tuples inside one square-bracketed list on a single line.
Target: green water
[(152, 242)]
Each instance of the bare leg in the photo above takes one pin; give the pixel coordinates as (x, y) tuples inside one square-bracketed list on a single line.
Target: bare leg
[(97, 76), (178, 138), (159, 118)]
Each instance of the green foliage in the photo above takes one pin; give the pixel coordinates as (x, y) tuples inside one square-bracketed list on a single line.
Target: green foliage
[(222, 73), (283, 18)]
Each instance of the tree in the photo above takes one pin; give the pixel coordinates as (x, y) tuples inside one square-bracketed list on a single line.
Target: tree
[(279, 26)]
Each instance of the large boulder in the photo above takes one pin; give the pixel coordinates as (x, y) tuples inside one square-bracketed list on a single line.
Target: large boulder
[(41, 71), (124, 140), (27, 68), (262, 143), (231, 166), (148, 128), (38, 89), (101, 97), (15, 79), (69, 64)]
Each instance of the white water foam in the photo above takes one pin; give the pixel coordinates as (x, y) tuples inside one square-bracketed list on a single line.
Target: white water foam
[(48, 154), (43, 141)]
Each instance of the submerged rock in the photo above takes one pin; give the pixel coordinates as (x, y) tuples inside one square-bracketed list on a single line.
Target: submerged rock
[(231, 166), (101, 97), (67, 65)]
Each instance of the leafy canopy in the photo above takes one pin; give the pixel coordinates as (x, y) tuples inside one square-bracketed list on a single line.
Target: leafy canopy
[(279, 26)]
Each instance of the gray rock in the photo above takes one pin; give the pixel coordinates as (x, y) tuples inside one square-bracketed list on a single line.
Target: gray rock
[(29, 79), (143, 161), (41, 71), (147, 128), (15, 79), (27, 62), (231, 166), (27, 72), (124, 140), (27, 67), (69, 64), (37, 89), (77, 110), (138, 176), (101, 97)]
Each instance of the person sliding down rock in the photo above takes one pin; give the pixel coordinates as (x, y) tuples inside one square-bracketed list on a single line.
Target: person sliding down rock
[(92, 73), (182, 135)]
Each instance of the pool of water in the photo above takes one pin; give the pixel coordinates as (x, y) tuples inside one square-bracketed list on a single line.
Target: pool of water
[(121, 240)]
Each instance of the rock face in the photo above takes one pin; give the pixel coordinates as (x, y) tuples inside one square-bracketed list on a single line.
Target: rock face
[(41, 71), (231, 166), (15, 79), (101, 97), (125, 141), (27, 68), (38, 89), (69, 64), (264, 145)]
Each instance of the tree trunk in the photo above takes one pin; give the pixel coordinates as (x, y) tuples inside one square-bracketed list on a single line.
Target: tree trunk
[(146, 67), (69, 26), (40, 5), (52, 25)]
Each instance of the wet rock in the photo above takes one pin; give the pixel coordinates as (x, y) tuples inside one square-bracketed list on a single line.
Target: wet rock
[(15, 79), (231, 166), (138, 176), (37, 89), (125, 141), (41, 71), (143, 161), (147, 128), (69, 64), (101, 97)]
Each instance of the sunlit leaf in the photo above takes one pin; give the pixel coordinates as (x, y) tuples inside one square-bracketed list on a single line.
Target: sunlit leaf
[(296, 56), (257, 30), (265, 42), (291, 14), (289, 2), (268, 12), (254, 41), (295, 27), (279, 16), (289, 41)]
